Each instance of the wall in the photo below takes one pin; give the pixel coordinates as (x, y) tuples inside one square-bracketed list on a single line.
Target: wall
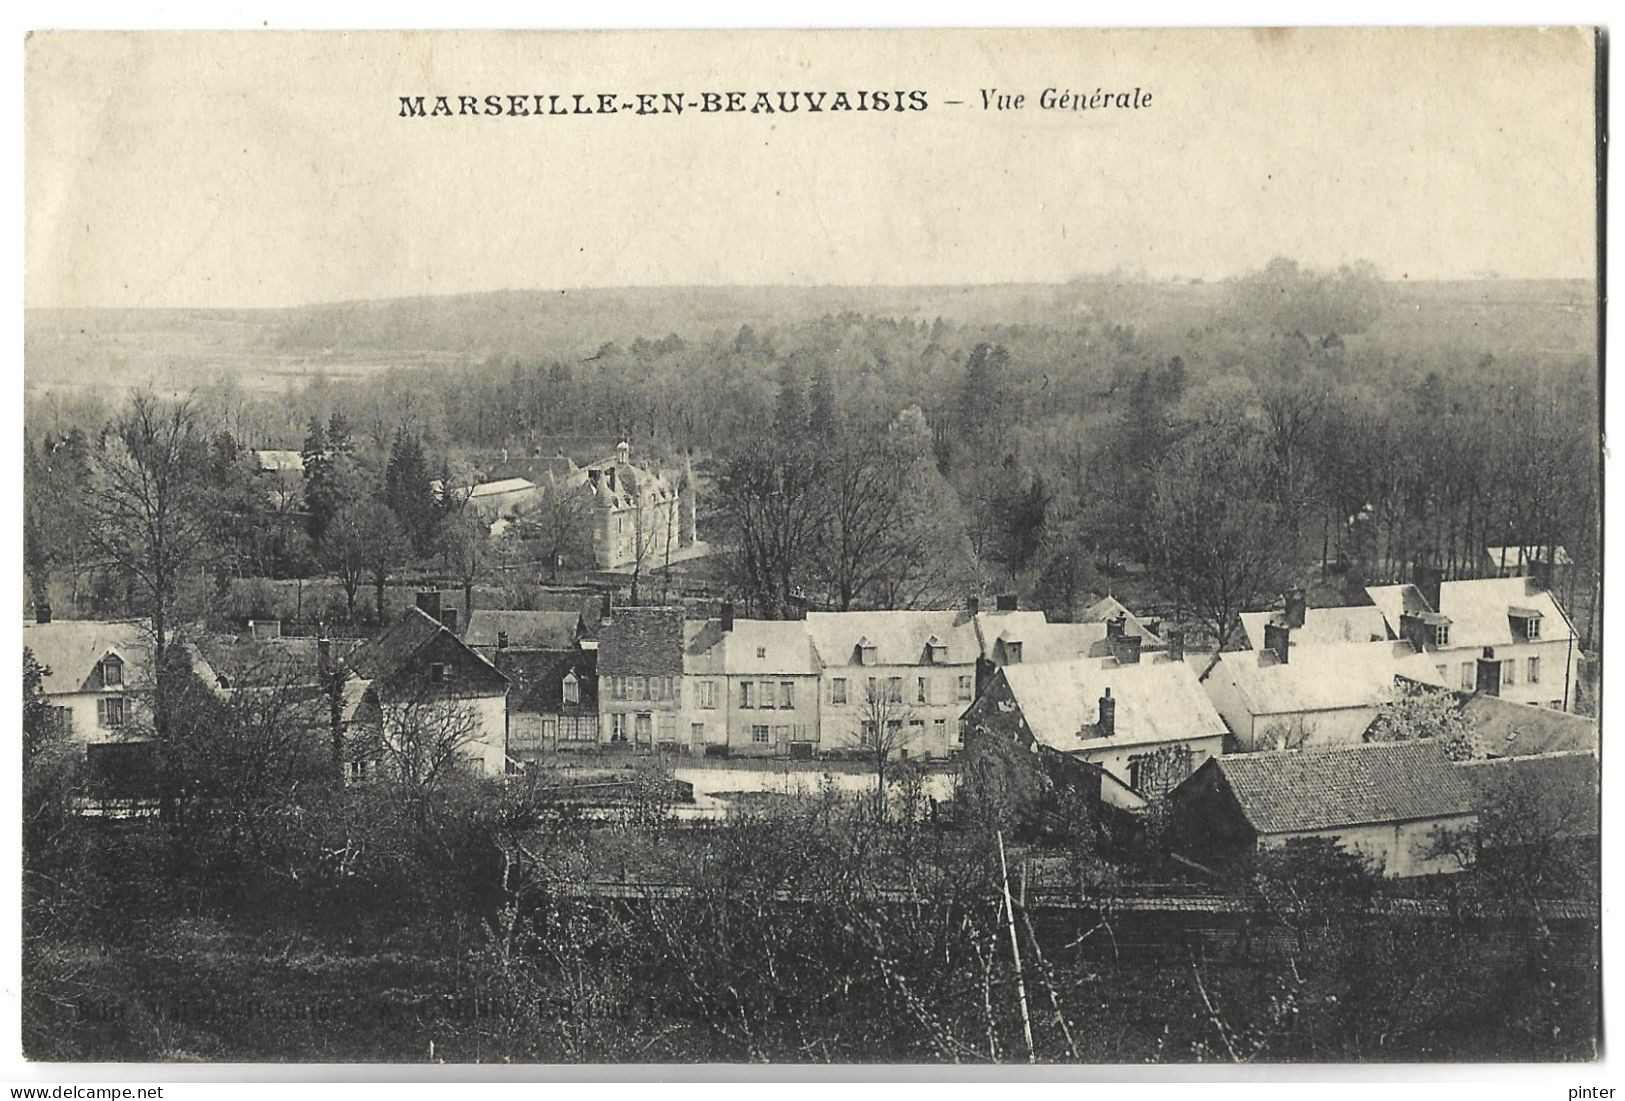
[(82, 708), (1556, 656), (1401, 849), (840, 724), (1117, 759)]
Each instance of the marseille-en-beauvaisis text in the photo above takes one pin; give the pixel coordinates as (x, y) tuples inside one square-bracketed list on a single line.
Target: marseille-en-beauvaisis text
[(515, 105)]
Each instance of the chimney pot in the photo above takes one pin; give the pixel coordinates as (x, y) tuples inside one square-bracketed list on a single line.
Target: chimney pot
[(42, 612), (1115, 625), (1108, 714), (973, 605), (1297, 608), (1176, 644), (1278, 637), (727, 615), (606, 606), (502, 640)]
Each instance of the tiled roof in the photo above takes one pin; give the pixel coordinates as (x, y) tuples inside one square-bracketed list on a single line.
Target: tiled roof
[(384, 654), (1156, 702), (1324, 678), (1040, 640), (1322, 626), (642, 641), (1501, 728), (538, 678), (72, 650), (1299, 790), (1552, 794), (544, 630), (899, 637)]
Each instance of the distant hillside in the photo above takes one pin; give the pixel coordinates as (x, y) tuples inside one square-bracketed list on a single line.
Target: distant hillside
[(271, 349)]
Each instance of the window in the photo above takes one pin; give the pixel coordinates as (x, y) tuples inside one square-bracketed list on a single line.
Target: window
[(112, 711), (643, 726), (617, 728), (358, 770), (61, 720), (894, 689), (922, 691), (1137, 772), (787, 693), (747, 694), (1533, 671), (1531, 629), (866, 653), (1468, 676), (670, 685), (874, 690), (437, 673), (572, 689), (550, 729), (939, 730), (781, 734), (960, 724), (837, 690), (767, 694), (868, 732), (617, 688), (965, 685), (1556, 705), (894, 729), (112, 671), (936, 653), (640, 688), (759, 734), (668, 728), (1012, 653), (1441, 635), (696, 731), (708, 694), (1509, 672)]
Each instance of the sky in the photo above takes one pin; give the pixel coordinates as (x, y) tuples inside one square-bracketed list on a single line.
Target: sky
[(269, 169)]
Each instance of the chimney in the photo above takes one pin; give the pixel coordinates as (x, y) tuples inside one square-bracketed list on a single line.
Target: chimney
[(1108, 715), (1175, 639), (1114, 626), (973, 604), (502, 640), (1428, 579), (1297, 608), (324, 654), (449, 618), (1007, 602), (606, 607), (1126, 649), (727, 615), (42, 612), (1278, 637), (429, 602), (1489, 673), (1540, 572)]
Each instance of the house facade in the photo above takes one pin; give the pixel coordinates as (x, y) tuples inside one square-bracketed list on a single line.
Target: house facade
[(1502, 636), (640, 678), (904, 676), (553, 702), (100, 675), (426, 685), (751, 687)]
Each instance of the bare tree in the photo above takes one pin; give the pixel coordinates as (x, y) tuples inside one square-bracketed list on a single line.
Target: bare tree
[(558, 525), (884, 730), (418, 744)]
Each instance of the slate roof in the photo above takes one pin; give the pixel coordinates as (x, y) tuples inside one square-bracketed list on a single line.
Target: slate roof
[(1501, 728), (525, 630), (642, 641), (1156, 702), (538, 679), (1478, 609), (1040, 639), (1554, 795), (785, 645), (243, 661), (1299, 790), (1324, 678), (1322, 626), (72, 651), (899, 636), (385, 653)]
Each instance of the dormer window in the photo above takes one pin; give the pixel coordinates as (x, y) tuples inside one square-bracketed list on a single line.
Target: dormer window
[(112, 671), (866, 652), (1525, 623), (936, 651), (1441, 635), (1012, 653), (572, 689)]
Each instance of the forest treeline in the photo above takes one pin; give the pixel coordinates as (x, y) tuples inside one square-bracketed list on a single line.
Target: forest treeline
[(1284, 439)]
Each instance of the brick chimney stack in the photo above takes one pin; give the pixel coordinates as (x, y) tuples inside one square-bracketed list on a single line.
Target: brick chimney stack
[(1297, 608), (727, 615), (429, 602), (1278, 637), (1108, 714), (1176, 643)]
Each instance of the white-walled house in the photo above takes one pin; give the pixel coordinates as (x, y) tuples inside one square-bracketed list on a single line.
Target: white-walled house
[(921, 664), (752, 686), (1503, 636), (99, 674)]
